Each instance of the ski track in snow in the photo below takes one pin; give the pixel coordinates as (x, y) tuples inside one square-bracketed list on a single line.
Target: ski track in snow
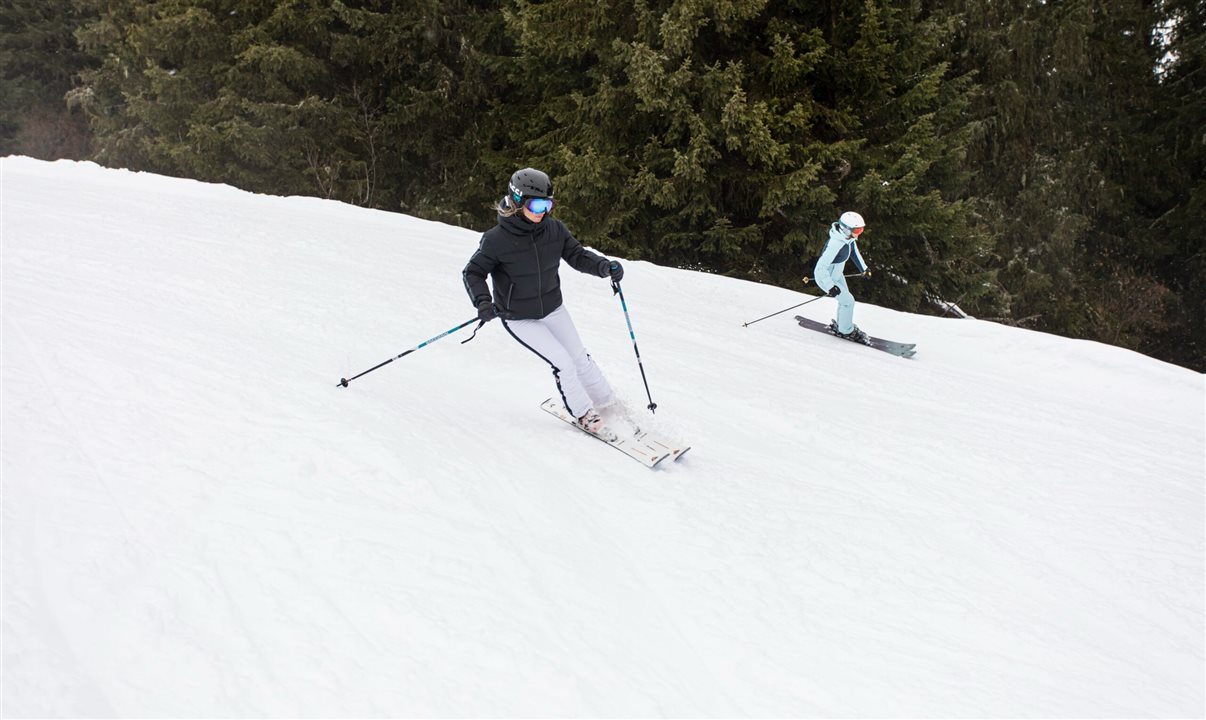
[(198, 522)]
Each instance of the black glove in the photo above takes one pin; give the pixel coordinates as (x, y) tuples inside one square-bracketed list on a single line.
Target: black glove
[(616, 270), (486, 311), (834, 291)]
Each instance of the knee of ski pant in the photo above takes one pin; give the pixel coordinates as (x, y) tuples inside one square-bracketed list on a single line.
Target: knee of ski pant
[(560, 359), (583, 360), (845, 299)]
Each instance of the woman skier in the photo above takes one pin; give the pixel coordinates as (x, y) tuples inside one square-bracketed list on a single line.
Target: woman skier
[(830, 270), (522, 255)]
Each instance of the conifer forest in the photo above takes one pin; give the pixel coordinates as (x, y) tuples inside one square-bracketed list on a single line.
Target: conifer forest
[(1040, 163)]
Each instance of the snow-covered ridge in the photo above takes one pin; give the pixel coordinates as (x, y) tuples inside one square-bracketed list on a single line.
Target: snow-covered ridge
[(198, 522)]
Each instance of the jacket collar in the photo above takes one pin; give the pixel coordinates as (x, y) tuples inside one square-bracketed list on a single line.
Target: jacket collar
[(519, 225)]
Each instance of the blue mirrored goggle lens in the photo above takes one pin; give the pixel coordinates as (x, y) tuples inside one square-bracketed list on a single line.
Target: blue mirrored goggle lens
[(540, 205)]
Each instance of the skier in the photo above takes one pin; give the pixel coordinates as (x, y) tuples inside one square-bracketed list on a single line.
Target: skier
[(830, 277), (522, 255)]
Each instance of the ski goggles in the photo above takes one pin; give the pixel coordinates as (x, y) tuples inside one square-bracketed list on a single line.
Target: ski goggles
[(856, 231), (539, 206)]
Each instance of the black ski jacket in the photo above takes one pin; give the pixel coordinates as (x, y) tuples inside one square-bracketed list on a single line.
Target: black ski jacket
[(522, 259)]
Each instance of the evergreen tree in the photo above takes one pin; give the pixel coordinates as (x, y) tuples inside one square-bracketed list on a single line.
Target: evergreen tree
[(39, 60), (1049, 153), (910, 172), (726, 136), (1069, 130), (360, 101), (1175, 180), (444, 73), (162, 63)]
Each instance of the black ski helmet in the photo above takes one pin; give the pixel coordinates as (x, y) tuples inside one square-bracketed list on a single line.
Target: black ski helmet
[(530, 183)]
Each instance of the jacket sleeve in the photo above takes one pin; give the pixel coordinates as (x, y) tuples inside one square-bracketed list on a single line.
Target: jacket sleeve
[(857, 257), (476, 270), (581, 259)]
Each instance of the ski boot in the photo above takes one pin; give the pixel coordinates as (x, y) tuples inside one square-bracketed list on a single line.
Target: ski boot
[(593, 424), (855, 335)]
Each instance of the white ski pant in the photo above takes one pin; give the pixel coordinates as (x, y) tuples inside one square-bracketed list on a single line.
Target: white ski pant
[(555, 339)]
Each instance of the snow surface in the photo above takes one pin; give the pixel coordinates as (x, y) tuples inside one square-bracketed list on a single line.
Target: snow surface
[(198, 522)]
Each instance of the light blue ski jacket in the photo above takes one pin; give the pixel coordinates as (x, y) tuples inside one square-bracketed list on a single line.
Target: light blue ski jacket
[(832, 263)]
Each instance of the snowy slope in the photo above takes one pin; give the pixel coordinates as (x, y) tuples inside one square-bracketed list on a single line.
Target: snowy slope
[(198, 522)]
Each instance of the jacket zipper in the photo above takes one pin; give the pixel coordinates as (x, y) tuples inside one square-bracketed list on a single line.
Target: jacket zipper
[(539, 270)]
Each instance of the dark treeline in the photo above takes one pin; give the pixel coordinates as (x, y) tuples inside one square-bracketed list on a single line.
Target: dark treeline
[(1039, 163)]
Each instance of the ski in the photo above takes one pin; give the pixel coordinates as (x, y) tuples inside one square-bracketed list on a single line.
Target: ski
[(676, 450), (651, 439), (645, 448), (899, 349)]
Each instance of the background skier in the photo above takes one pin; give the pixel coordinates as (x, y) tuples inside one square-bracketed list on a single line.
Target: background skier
[(522, 255), (830, 270)]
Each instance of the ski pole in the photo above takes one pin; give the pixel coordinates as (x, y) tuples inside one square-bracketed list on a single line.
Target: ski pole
[(807, 279), (615, 286), (793, 307), (343, 382)]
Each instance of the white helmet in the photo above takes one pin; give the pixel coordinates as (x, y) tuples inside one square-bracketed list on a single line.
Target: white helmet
[(851, 221)]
